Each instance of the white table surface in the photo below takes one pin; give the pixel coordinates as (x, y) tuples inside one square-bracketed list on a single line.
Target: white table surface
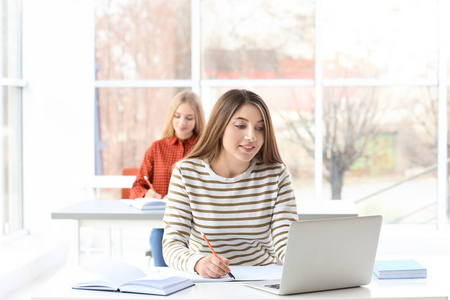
[(59, 287), (115, 210), (106, 210), (113, 213)]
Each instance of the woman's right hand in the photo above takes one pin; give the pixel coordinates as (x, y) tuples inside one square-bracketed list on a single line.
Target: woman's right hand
[(212, 267), (152, 194)]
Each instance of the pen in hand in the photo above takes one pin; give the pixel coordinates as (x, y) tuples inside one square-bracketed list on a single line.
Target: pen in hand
[(148, 182), (214, 252)]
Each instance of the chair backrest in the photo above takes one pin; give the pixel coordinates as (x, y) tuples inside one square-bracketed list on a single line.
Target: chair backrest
[(128, 171)]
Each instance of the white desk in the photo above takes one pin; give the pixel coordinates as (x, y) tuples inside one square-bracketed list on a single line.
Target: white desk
[(60, 288), (107, 213)]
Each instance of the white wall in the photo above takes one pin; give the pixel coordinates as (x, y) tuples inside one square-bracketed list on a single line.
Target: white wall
[(58, 104), (58, 132)]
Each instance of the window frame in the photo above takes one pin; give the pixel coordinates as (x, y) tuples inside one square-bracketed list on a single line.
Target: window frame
[(319, 83), (19, 83)]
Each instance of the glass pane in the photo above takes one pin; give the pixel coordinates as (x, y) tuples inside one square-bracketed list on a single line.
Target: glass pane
[(379, 39), (11, 160), (448, 153), (380, 150), (286, 105), (129, 121), (143, 39), (448, 54), (11, 40), (257, 39), (11, 217)]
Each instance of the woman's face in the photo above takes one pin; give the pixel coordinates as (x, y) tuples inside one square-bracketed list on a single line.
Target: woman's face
[(244, 135), (183, 121)]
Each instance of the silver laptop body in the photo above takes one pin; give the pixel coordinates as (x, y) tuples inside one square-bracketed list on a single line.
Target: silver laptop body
[(327, 254)]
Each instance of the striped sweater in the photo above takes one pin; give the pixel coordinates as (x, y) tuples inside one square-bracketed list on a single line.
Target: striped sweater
[(246, 218)]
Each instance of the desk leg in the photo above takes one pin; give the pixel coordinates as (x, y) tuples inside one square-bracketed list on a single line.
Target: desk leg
[(110, 243), (115, 244), (120, 243), (77, 243)]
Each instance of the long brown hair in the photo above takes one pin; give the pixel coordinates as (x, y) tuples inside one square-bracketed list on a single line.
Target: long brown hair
[(209, 145), (194, 101)]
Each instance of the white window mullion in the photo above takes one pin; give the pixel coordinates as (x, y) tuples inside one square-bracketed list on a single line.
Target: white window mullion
[(442, 171), (374, 82), (2, 140), (318, 146), (195, 46), (13, 82), (141, 83), (257, 82)]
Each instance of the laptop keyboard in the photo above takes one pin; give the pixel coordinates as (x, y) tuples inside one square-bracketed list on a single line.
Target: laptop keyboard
[(273, 286)]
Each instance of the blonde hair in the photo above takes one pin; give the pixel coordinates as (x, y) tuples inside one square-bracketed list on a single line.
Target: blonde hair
[(209, 145), (194, 101)]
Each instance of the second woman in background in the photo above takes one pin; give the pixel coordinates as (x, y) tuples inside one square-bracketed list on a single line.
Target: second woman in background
[(183, 124)]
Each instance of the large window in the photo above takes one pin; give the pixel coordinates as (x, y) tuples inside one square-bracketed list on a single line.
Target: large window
[(257, 39), (354, 88), (379, 39), (11, 209)]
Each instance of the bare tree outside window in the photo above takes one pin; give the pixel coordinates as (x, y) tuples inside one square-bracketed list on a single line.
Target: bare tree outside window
[(351, 121), (425, 115), (137, 40)]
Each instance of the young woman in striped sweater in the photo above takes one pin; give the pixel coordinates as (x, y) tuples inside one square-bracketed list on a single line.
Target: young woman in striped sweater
[(234, 188)]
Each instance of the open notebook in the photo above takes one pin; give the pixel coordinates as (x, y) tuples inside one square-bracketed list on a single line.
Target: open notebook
[(241, 273), (117, 276)]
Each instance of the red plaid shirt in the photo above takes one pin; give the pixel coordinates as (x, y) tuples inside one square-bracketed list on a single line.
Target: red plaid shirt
[(157, 165)]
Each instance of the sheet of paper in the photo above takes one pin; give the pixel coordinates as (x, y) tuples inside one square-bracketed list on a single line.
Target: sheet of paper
[(115, 271), (145, 203), (241, 273)]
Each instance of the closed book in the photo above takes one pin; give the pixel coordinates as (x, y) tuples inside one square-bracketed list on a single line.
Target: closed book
[(116, 276), (399, 269)]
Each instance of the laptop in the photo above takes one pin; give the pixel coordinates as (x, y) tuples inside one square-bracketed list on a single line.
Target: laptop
[(327, 254)]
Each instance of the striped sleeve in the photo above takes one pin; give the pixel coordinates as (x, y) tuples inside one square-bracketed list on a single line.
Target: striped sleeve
[(285, 212)]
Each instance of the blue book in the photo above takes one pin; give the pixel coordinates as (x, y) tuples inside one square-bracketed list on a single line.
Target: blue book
[(399, 269)]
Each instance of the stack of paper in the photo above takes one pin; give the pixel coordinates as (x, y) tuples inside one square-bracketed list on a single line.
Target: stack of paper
[(399, 269), (145, 203)]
